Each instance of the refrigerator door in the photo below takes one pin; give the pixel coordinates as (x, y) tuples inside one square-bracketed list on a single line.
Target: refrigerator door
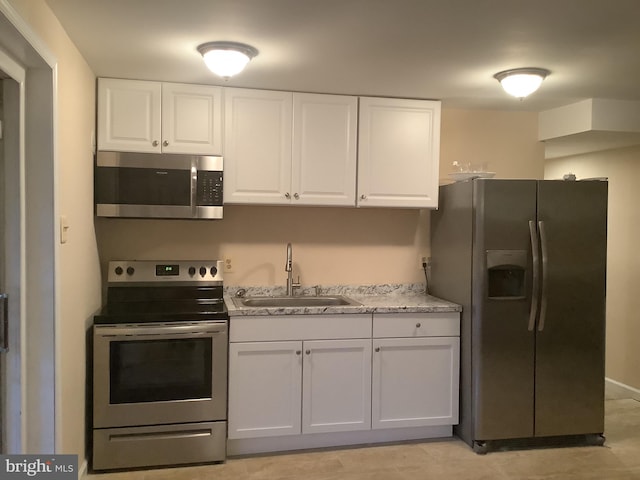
[(569, 386), (502, 345)]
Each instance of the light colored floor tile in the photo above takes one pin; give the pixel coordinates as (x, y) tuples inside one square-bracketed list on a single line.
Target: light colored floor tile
[(444, 459)]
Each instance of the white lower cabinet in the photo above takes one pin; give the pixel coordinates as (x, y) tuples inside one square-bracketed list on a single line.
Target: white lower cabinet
[(308, 381), (287, 388), (265, 381), (415, 382), (416, 365), (336, 386)]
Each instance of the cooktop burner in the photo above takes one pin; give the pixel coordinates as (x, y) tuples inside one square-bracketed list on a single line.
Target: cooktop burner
[(154, 291)]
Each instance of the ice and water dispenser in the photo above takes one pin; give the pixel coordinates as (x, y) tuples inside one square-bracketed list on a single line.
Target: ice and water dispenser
[(506, 274)]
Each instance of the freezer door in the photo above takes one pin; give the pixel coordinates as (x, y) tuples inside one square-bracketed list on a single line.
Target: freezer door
[(503, 346), (569, 387)]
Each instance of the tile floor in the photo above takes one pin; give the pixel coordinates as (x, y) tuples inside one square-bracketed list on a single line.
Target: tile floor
[(448, 459)]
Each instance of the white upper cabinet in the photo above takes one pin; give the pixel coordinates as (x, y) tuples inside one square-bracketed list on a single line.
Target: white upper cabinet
[(191, 119), (129, 115), (324, 149), (154, 117), (399, 149), (257, 146), (289, 148)]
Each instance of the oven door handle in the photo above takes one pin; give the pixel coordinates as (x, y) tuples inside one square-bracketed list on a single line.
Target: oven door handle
[(129, 331)]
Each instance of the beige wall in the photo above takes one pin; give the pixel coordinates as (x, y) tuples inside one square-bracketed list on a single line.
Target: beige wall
[(505, 142), (332, 245), (78, 269), (622, 167)]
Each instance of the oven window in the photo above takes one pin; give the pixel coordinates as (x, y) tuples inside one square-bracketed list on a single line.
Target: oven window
[(160, 370)]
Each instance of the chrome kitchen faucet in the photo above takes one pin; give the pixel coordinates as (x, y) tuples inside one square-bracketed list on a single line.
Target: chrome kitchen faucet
[(291, 285)]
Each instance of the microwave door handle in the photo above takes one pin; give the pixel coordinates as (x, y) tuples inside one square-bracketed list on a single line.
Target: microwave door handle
[(535, 257), (194, 188)]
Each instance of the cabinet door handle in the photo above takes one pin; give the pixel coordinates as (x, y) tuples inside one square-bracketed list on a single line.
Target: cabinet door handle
[(363, 197), (165, 143), (296, 196), (377, 349), (308, 352), (287, 195), (298, 352), (418, 325), (154, 143)]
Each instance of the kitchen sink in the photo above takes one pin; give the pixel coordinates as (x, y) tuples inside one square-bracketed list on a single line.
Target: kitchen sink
[(303, 301)]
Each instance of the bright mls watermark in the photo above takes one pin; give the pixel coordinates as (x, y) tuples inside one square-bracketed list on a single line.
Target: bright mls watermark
[(50, 467)]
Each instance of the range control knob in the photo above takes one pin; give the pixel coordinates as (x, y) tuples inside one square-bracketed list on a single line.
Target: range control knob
[(214, 271), (192, 271), (130, 271), (203, 271), (119, 270)]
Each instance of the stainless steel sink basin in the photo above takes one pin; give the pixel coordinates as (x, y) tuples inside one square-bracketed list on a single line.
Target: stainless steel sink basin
[(303, 301)]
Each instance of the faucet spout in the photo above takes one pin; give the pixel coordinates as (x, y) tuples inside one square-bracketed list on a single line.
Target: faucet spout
[(288, 267)]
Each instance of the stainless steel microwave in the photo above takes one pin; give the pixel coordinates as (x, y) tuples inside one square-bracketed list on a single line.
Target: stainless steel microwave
[(152, 185)]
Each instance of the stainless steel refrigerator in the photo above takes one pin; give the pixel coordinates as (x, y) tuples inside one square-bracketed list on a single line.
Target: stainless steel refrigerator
[(526, 259)]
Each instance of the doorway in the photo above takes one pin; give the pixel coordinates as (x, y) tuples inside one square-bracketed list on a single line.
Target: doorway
[(29, 385)]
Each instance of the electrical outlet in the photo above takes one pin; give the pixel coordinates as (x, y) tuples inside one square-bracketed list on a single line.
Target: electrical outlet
[(421, 260), (228, 265)]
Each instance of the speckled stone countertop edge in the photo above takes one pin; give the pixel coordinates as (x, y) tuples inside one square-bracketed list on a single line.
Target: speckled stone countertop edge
[(387, 298)]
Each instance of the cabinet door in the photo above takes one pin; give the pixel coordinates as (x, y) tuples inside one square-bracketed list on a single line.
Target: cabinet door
[(324, 149), (264, 389), (336, 386), (129, 115), (398, 154), (257, 146), (415, 382), (191, 119)]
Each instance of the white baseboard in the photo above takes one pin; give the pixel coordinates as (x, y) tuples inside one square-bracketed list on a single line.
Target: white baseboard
[(617, 389), (82, 469)]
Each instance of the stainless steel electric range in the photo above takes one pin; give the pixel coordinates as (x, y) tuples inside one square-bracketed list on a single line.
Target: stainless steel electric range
[(160, 366)]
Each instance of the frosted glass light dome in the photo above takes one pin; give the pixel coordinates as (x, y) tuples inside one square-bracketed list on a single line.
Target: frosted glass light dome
[(226, 59), (521, 82)]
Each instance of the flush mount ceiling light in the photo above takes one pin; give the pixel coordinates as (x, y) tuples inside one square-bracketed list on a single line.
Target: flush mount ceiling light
[(521, 82), (226, 59)]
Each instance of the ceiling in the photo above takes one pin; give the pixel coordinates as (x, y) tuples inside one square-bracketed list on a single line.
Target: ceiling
[(435, 49)]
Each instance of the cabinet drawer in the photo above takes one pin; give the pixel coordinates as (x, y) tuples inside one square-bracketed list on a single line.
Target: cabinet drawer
[(416, 325), (299, 327)]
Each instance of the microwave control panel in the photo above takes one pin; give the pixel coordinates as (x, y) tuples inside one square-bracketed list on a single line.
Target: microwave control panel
[(209, 188)]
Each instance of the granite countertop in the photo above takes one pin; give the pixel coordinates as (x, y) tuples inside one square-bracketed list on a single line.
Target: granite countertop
[(372, 298)]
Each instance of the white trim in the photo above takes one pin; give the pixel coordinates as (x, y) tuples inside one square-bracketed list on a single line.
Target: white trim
[(620, 389), (83, 469), (57, 314), (27, 33)]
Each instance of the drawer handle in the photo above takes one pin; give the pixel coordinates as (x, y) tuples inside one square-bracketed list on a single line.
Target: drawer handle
[(418, 325), (377, 349)]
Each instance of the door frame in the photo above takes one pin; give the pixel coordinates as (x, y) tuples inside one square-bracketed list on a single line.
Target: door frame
[(33, 357)]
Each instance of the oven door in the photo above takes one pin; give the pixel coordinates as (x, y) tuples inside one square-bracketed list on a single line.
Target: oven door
[(152, 374)]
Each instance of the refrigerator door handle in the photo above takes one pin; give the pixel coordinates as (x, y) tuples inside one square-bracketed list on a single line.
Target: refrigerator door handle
[(535, 256), (545, 269)]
